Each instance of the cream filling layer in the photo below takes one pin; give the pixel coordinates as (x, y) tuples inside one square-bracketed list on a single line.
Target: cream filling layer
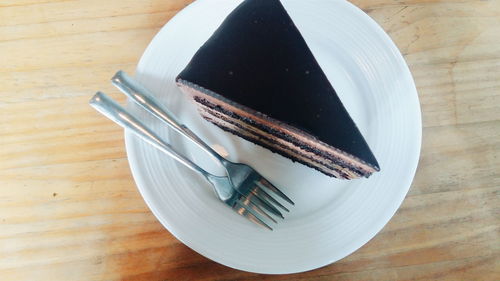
[(301, 136), (254, 137), (287, 147)]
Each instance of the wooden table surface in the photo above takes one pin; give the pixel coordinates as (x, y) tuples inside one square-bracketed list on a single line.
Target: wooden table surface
[(69, 208)]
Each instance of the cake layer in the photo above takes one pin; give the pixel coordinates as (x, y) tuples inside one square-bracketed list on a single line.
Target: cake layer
[(274, 135), (307, 142), (278, 145)]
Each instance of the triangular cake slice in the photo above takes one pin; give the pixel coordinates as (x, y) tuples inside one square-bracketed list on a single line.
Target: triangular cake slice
[(256, 78)]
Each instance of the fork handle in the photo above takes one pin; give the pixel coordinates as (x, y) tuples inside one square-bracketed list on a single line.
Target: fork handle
[(143, 97), (109, 108)]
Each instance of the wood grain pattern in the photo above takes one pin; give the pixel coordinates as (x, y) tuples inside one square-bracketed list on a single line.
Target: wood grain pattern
[(69, 209)]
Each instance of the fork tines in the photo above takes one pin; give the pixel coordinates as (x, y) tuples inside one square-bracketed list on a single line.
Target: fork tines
[(260, 206), (273, 188)]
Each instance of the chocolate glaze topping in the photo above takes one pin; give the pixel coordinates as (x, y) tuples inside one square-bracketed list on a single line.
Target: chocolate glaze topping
[(258, 59)]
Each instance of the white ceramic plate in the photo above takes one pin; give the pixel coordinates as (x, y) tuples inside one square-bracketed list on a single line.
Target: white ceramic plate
[(332, 218)]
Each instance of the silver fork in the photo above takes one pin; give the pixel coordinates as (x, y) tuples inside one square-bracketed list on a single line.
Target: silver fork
[(223, 187), (246, 180)]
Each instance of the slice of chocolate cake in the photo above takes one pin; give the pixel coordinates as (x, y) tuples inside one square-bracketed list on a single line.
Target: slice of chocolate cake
[(256, 78)]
